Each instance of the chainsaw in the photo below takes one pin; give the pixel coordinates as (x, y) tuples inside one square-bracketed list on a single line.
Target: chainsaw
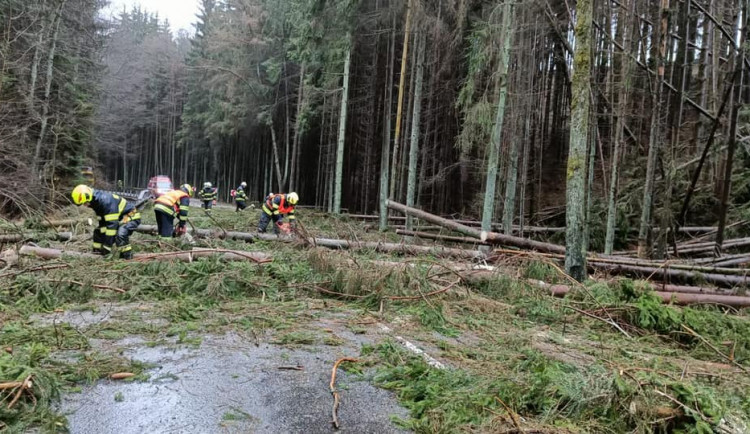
[(286, 228)]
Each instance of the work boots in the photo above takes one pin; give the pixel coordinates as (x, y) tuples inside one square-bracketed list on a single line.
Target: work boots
[(126, 255)]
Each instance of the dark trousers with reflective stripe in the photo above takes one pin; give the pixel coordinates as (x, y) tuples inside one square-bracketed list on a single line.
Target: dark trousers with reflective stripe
[(240, 205), (100, 240), (123, 237), (165, 223), (208, 204), (266, 218)]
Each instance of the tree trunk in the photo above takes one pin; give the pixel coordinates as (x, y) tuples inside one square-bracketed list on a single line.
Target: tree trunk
[(400, 106), (575, 264), (297, 121), (386, 147), (488, 209), (736, 100), (48, 87), (342, 132), (279, 179), (655, 136), (622, 106), (415, 123)]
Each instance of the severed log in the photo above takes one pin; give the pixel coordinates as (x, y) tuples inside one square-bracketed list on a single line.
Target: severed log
[(46, 253), (64, 222), (477, 274), (408, 249), (670, 273), (208, 233), (676, 297), (743, 259), (342, 244), (490, 237), (372, 227), (183, 256), (16, 238), (431, 236), (603, 260)]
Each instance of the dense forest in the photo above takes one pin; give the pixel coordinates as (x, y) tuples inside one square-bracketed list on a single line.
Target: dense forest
[(482, 109)]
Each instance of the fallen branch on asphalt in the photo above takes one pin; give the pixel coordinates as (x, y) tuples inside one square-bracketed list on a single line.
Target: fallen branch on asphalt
[(334, 392)]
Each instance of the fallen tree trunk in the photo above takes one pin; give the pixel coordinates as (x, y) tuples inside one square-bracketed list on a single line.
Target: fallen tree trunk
[(16, 238), (670, 273), (369, 227), (431, 236), (408, 249), (477, 274), (64, 222), (46, 253), (489, 237), (738, 260), (600, 261), (340, 244), (183, 256), (676, 297), (708, 247)]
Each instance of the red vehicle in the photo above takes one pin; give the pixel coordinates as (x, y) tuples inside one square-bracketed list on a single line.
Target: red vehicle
[(159, 185)]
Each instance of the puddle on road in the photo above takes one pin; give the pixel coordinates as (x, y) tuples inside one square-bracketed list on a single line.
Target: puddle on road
[(230, 385)]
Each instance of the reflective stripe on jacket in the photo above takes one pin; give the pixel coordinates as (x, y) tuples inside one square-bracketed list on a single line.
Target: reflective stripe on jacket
[(175, 202), (111, 208), (276, 205)]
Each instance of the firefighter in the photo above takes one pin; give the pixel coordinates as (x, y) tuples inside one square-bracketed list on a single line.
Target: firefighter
[(240, 197), (275, 207), (175, 203), (117, 219), (208, 196)]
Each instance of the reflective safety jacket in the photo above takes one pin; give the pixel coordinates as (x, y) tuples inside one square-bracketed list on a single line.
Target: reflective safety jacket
[(277, 205), (240, 195), (174, 203), (208, 193), (112, 208)]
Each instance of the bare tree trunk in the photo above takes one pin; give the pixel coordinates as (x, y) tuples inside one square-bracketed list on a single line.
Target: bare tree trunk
[(622, 106), (655, 137), (415, 123), (297, 123), (48, 87), (575, 257), (279, 179), (401, 83), (386, 146), (736, 99), (342, 132), (488, 209)]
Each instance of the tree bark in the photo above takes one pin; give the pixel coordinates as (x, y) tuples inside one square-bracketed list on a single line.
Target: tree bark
[(575, 264), (736, 103), (490, 237), (490, 189), (399, 107), (297, 123), (386, 146), (415, 130), (48, 87), (655, 137), (342, 131)]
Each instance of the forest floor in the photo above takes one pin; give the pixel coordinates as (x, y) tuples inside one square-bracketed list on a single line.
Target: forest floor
[(245, 347)]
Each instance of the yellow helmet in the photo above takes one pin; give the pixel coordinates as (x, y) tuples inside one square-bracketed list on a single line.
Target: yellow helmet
[(187, 189), (82, 194), (292, 198)]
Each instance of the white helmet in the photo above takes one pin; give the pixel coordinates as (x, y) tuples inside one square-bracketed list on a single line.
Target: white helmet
[(243, 184), (206, 185)]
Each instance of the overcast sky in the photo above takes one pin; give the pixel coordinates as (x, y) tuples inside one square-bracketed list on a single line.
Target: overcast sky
[(181, 13)]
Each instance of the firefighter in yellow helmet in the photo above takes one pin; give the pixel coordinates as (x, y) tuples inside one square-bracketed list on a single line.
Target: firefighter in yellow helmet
[(118, 218), (175, 203), (277, 206)]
